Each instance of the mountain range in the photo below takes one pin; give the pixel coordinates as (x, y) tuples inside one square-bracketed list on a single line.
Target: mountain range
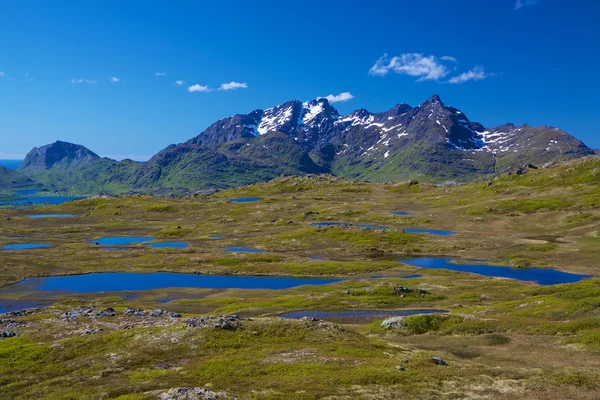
[(431, 142)]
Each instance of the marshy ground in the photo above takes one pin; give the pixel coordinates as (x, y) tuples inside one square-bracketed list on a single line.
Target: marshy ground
[(500, 338)]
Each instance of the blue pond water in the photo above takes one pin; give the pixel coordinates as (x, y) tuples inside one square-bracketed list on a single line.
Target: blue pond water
[(168, 245), (25, 246), (52, 216), (246, 199), (118, 281), (9, 305), (401, 213), (542, 276), (120, 240), (317, 258), (43, 200), (243, 250), (357, 314), (215, 237), (365, 226), (429, 231)]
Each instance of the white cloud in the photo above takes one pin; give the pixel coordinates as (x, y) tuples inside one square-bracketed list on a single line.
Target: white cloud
[(477, 73), (524, 3), (1, 74), (449, 58), (160, 73), (426, 68), (344, 96), (198, 88), (80, 80), (114, 79), (233, 86), (179, 83)]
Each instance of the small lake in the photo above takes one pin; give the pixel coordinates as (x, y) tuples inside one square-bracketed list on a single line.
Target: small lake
[(120, 281), (404, 213), (542, 276), (168, 245), (429, 231), (357, 314), (215, 237), (243, 250), (120, 240), (246, 199), (10, 305), (345, 224), (40, 216), (43, 200), (25, 246)]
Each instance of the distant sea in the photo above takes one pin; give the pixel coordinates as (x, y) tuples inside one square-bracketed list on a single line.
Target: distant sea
[(11, 164)]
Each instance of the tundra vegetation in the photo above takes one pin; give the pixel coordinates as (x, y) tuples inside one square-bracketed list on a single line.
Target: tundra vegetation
[(500, 338)]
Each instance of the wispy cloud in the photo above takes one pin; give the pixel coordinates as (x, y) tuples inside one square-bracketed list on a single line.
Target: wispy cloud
[(233, 86), (160, 73), (77, 81), (344, 96), (477, 73), (426, 68), (449, 58), (179, 83), (524, 3), (114, 79), (198, 88), (1, 74)]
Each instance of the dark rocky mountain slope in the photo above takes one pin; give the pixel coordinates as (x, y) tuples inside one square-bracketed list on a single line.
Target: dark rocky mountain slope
[(432, 142)]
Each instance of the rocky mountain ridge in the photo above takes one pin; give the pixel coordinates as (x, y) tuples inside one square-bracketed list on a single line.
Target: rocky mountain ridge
[(431, 142)]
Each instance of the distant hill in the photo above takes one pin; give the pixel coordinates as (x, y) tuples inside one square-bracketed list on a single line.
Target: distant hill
[(12, 180), (431, 142)]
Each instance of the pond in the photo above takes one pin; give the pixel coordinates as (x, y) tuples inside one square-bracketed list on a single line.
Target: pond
[(346, 224), (357, 314), (40, 216), (215, 237), (25, 246), (246, 199), (168, 245), (12, 305), (243, 250), (404, 213), (122, 281), (120, 240), (542, 276), (43, 200), (429, 231)]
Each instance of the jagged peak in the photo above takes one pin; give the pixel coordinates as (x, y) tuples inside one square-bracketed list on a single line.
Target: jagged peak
[(435, 99)]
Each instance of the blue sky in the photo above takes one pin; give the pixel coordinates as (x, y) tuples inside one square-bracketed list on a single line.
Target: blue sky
[(520, 61)]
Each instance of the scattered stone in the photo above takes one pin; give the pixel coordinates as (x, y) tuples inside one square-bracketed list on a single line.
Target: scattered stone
[(401, 289), (158, 313), (192, 394), (138, 312), (7, 334), (439, 361), (393, 323), (88, 312), (309, 213), (231, 322), (401, 369)]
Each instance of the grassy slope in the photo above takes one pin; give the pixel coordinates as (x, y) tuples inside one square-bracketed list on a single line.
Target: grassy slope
[(504, 339)]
